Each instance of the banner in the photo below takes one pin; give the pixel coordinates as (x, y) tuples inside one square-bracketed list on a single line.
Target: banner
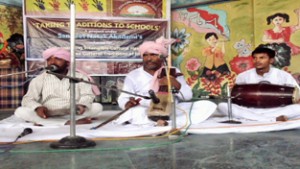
[(93, 68), (95, 39)]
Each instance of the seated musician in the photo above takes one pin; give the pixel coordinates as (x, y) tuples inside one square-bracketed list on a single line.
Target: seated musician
[(264, 73), (147, 77), (47, 101)]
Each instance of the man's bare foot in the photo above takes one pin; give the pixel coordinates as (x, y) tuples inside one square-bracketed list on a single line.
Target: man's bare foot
[(282, 118), (161, 123), (81, 121)]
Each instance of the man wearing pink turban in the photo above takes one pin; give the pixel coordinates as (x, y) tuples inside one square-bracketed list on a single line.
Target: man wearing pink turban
[(141, 80), (47, 101)]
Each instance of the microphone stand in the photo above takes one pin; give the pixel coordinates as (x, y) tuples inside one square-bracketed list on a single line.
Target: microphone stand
[(174, 132), (72, 141), (230, 119), (23, 72), (173, 110), (76, 80)]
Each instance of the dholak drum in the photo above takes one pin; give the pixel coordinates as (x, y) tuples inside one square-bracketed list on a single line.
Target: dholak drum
[(264, 95)]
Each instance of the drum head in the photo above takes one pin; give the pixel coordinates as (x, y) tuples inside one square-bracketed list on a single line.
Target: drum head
[(296, 96)]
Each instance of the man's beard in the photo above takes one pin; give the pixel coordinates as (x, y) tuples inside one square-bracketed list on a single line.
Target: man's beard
[(153, 66)]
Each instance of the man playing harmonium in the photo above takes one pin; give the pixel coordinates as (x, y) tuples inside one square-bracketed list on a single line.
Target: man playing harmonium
[(150, 77), (264, 77)]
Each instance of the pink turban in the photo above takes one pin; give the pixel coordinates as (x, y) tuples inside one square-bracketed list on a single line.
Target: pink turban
[(58, 53), (160, 46)]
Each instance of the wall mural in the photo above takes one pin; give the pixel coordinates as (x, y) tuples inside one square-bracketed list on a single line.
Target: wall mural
[(11, 57), (214, 42), (279, 29), (206, 69), (11, 38)]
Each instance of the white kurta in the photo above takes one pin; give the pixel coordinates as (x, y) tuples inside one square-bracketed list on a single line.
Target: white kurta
[(54, 93), (138, 82), (274, 76)]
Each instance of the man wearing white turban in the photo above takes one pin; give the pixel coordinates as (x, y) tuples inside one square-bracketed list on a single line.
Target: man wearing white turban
[(145, 78), (47, 101)]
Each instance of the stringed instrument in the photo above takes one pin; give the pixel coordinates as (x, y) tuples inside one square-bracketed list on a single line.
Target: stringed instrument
[(162, 110)]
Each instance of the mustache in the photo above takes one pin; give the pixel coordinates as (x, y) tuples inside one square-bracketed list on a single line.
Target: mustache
[(150, 62)]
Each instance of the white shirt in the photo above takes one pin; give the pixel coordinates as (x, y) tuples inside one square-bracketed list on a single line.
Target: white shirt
[(49, 91), (274, 76), (139, 81)]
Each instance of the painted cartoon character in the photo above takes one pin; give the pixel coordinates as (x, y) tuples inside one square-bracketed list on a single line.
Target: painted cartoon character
[(282, 34), (214, 57)]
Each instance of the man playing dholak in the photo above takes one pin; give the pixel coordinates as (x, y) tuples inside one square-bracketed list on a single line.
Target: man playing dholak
[(264, 73), (47, 101), (148, 77)]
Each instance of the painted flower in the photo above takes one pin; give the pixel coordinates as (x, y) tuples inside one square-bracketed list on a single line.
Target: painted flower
[(181, 39), (191, 80), (212, 86), (217, 86), (193, 67), (241, 64), (192, 64)]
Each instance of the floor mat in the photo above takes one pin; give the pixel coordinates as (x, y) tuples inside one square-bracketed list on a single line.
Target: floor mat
[(12, 127)]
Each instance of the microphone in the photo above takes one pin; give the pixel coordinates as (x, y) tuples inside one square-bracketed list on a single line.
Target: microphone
[(153, 97), (25, 132), (50, 68)]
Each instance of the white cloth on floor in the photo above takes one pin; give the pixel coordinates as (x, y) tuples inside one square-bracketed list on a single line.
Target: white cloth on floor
[(261, 114), (197, 111)]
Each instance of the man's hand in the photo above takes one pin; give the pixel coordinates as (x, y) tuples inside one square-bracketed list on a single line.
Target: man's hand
[(132, 102), (80, 109), (42, 112)]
